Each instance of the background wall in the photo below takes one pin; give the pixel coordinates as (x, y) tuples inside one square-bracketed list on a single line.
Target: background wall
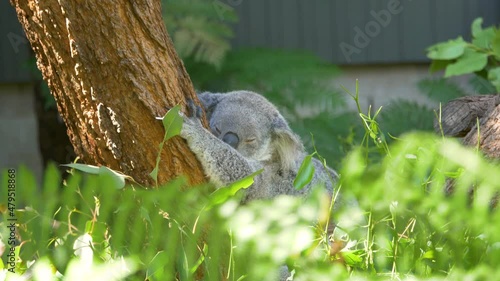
[(18, 120), (380, 42), (381, 31)]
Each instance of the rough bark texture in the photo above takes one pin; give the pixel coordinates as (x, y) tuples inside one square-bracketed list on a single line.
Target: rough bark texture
[(460, 115), (459, 119), (489, 134), (112, 68)]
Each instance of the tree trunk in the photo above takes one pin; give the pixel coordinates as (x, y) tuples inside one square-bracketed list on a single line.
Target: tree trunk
[(112, 69), (460, 117)]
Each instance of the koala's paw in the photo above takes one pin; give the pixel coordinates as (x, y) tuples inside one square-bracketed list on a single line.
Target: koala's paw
[(192, 122), (193, 109)]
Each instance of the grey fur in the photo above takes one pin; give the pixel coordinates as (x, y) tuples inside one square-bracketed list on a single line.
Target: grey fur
[(264, 140)]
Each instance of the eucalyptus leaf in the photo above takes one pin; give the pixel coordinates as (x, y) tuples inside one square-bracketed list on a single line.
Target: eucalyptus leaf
[(221, 195), (154, 173), (172, 122), (118, 179), (305, 173), (89, 169)]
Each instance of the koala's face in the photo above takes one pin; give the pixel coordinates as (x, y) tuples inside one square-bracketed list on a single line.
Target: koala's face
[(244, 122)]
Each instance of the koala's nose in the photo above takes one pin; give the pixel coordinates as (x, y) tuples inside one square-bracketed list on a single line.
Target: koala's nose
[(231, 139)]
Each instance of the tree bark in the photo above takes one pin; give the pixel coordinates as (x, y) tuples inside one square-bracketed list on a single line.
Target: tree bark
[(460, 115), (459, 118), (112, 69), (489, 134)]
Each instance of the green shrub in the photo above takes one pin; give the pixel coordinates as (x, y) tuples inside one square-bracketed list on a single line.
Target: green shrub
[(402, 224), (481, 56)]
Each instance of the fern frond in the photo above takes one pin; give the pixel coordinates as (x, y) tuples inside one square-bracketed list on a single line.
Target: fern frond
[(200, 29), (440, 90), (404, 116), (481, 85)]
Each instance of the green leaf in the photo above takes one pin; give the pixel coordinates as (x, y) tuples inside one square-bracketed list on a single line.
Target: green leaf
[(88, 227), (305, 173), (172, 122), (447, 50), (439, 90), (495, 44), (352, 258), (404, 115), (89, 169), (145, 215), (428, 255), (481, 86), (24, 215), (222, 194), (470, 62), (156, 267), (437, 65), (494, 77), (117, 179), (484, 38), (476, 26), (183, 265), (200, 260), (154, 172)]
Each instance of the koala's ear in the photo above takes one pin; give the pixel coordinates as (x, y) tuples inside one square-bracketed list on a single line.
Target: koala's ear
[(286, 144), (209, 101)]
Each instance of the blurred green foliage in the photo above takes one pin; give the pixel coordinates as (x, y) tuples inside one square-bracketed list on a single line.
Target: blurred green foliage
[(403, 116), (481, 56), (199, 28), (402, 225), (414, 227)]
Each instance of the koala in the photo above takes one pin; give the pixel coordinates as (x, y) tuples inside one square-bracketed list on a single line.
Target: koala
[(247, 133)]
